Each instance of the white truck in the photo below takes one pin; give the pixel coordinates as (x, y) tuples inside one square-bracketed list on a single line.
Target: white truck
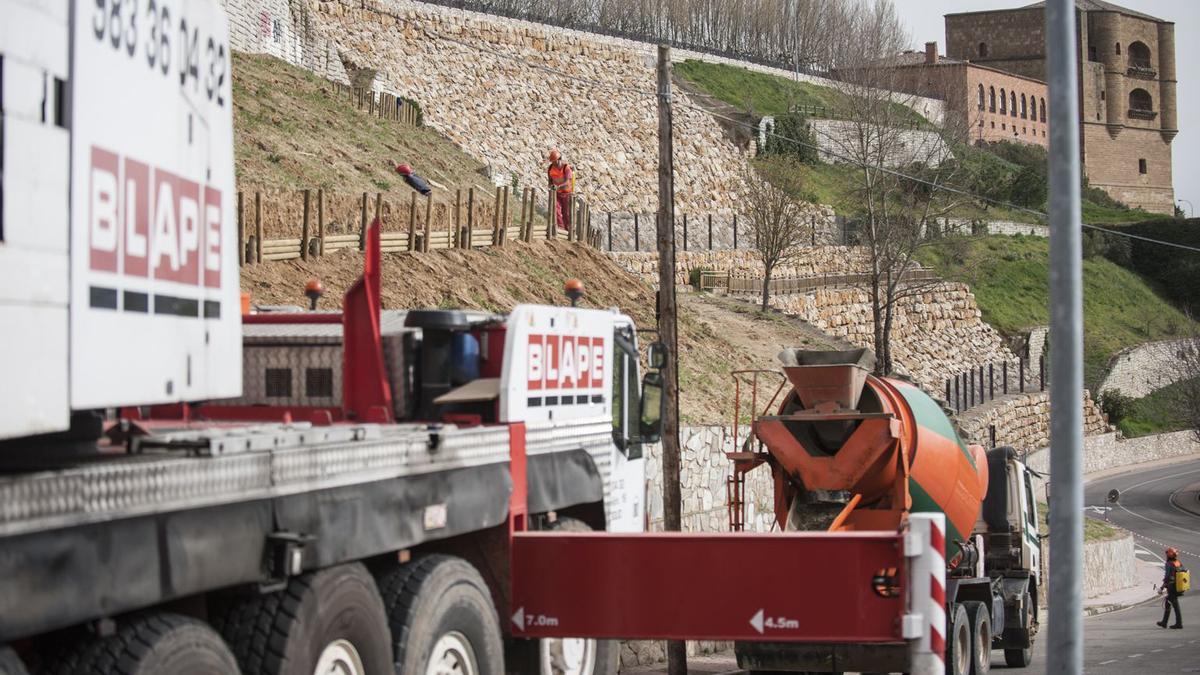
[(187, 490)]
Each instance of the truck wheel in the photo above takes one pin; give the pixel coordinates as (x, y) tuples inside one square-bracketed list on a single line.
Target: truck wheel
[(958, 641), (148, 645), (442, 618), (981, 637), (330, 621), (10, 663), (566, 656), (1021, 657)]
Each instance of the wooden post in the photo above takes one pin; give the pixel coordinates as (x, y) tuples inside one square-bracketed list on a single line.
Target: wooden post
[(378, 213), (571, 218), (637, 233), (470, 239), (496, 218), (505, 218), (667, 328), (362, 229), (529, 214), (428, 222), (685, 237), (551, 224), (304, 230), (412, 221), (241, 232), (321, 221), (735, 231), (258, 229), (610, 231), (710, 231), (457, 243)]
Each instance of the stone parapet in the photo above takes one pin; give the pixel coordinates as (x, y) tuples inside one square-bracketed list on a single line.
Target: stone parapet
[(1140, 371)]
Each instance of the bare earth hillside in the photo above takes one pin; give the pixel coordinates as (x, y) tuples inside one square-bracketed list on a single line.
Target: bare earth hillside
[(715, 336), (292, 132)]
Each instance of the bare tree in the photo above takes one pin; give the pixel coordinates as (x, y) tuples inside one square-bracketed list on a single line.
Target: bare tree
[(902, 164), (777, 218)]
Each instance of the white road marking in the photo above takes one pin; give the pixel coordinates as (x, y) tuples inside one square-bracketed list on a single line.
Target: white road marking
[(1155, 651), (1105, 663), (1155, 480), (1134, 656), (1158, 522)]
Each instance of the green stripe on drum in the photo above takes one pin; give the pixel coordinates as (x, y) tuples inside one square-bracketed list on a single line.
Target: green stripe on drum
[(922, 502), (929, 415)]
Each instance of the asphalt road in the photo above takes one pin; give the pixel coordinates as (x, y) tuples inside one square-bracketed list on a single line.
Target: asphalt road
[(1127, 641)]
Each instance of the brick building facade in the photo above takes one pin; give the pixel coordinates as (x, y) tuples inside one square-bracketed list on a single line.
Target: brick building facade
[(983, 103), (1127, 87)]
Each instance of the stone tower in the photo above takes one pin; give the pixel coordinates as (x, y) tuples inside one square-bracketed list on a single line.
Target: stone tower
[(1127, 88)]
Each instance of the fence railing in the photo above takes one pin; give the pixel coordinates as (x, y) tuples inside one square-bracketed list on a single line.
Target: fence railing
[(467, 228), (379, 104), (790, 285), (983, 384)]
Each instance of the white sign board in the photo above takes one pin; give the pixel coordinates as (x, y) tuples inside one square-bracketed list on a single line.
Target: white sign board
[(155, 312)]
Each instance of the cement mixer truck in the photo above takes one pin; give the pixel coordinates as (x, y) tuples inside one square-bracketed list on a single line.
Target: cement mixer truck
[(869, 452)]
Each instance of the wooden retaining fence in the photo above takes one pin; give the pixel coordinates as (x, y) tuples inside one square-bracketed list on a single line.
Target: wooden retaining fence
[(468, 228), (386, 106)]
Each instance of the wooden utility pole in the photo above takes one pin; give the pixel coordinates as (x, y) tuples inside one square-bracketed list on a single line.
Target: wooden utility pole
[(667, 328)]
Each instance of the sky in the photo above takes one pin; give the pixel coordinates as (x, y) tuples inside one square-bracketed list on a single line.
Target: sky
[(924, 19)]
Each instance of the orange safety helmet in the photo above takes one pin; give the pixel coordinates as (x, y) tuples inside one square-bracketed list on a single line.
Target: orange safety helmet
[(554, 156), (1172, 553), (403, 169)]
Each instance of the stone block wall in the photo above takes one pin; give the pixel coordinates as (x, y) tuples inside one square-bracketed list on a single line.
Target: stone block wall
[(1141, 370), (1110, 565), (808, 262), (936, 334), (282, 29), (490, 85), (1022, 421), (837, 140), (1110, 450)]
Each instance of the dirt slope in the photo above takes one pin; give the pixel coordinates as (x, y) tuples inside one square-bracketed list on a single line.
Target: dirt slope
[(716, 336), (290, 132)]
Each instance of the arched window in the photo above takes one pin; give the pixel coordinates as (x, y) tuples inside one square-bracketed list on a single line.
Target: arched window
[(1003, 102), (981, 102), (1024, 108), (1012, 110), (1042, 105), (1141, 106), (1118, 49), (991, 99), (983, 50), (1033, 108), (1139, 55)]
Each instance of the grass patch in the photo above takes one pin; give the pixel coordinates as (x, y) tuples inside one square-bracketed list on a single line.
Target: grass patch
[(1093, 529), (1010, 279), (1156, 413)]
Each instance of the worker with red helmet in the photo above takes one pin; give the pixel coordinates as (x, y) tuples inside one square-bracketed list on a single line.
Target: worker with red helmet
[(1171, 568), (414, 181), (562, 180)]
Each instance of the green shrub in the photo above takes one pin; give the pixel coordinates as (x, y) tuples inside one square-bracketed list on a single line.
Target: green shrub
[(790, 127), (1116, 405)]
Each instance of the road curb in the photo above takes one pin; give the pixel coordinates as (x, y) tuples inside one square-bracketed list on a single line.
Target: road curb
[(1097, 610), (1188, 499)]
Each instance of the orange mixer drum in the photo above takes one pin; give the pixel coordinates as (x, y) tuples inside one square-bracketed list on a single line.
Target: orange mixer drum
[(842, 429)]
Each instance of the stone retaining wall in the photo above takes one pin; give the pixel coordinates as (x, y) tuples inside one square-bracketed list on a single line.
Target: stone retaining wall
[(281, 28), (936, 334), (808, 262), (1140, 371), (490, 85), (1111, 450), (1022, 421)]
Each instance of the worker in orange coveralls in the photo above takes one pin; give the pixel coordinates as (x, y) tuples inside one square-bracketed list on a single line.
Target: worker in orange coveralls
[(562, 181)]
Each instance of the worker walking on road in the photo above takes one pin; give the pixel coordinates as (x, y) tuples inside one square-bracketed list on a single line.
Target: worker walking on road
[(562, 180), (1172, 571)]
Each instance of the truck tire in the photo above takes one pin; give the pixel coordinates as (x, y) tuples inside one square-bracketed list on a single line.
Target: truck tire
[(958, 641), (150, 644), (1021, 657), (10, 663), (442, 618), (566, 656), (981, 637), (326, 621)]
